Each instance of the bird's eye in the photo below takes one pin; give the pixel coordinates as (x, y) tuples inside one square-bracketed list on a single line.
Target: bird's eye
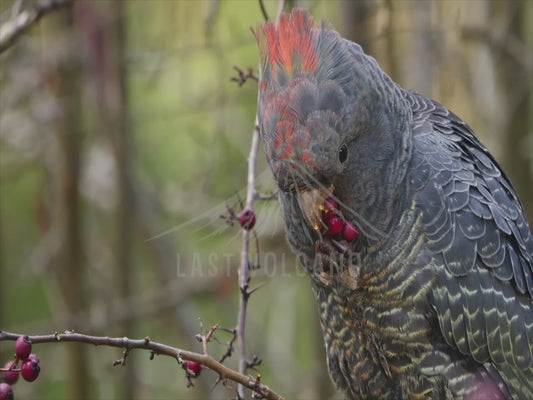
[(343, 153)]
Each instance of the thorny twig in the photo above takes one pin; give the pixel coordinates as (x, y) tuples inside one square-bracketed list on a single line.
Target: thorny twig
[(228, 353), (231, 217), (243, 76), (254, 362), (251, 196), (155, 348), (244, 277), (244, 269), (203, 338), (229, 345)]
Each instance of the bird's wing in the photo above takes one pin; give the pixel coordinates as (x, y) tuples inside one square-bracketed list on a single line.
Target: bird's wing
[(475, 226)]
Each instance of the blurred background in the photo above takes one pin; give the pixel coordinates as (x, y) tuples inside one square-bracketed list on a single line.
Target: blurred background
[(123, 140)]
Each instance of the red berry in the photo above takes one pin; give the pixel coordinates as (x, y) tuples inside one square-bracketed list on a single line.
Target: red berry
[(10, 377), (34, 358), (247, 218), (6, 393), (194, 367), (326, 220), (30, 370), (23, 347), (335, 226), (350, 232), (326, 216), (330, 210), (330, 205)]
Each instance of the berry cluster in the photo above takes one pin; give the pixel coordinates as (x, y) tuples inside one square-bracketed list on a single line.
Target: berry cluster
[(336, 225), (29, 367)]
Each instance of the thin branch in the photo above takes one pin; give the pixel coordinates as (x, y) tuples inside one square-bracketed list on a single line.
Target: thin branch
[(263, 9), (251, 196), (244, 277), (256, 361), (203, 338), (155, 348), (229, 344), (243, 76), (255, 289), (14, 28)]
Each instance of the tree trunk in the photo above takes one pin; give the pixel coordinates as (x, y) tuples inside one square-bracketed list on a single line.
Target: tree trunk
[(71, 266)]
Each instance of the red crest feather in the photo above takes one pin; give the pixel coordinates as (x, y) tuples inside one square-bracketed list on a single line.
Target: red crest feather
[(291, 43)]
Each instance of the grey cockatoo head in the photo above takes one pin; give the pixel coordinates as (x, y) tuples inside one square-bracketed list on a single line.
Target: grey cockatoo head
[(327, 112)]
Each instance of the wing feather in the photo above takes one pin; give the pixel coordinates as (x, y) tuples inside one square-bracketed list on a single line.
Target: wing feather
[(475, 226)]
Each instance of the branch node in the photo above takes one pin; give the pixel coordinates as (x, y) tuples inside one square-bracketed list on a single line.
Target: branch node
[(243, 76), (122, 361), (256, 361)]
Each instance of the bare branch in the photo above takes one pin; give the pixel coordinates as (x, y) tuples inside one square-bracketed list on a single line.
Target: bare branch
[(229, 345), (206, 338), (242, 76), (14, 28), (251, 196), (155, 348), (256, 361), (244, 277)]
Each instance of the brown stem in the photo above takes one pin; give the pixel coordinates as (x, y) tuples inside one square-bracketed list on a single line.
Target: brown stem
[(244, 277), (155, 348)]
